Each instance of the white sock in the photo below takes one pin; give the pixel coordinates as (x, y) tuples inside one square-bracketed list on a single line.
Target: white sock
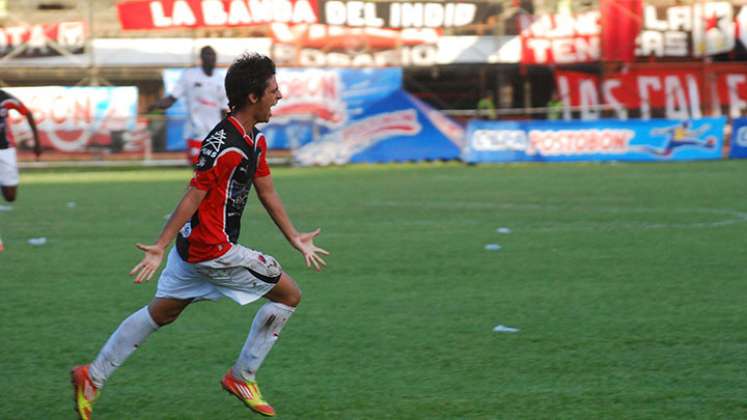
[(268, 322), (130, 334)]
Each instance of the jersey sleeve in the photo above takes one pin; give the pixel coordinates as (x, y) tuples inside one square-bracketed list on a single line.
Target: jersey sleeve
[(263, 169), (181, 85), (222, 98), (212, 171)]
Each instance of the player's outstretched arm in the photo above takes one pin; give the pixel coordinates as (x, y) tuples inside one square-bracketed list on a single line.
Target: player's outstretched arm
[(303, 242), (145, 269), (35, 133)]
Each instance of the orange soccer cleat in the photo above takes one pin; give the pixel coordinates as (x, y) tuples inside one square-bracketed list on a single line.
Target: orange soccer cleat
[(248, 393), (84, 391)]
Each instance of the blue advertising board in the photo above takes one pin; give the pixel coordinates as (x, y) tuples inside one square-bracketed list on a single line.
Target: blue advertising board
[(397, 128), (738, 139), (600, 140)]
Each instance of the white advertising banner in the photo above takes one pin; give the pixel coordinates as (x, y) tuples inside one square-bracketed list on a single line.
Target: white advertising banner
[(78, 119)]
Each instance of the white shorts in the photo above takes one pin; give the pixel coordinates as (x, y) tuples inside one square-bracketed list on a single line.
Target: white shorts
[(241, 274), (8, 167)]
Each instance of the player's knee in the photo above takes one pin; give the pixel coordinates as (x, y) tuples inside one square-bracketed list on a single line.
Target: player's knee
[(294, 298), (164, 319), (164, 316)]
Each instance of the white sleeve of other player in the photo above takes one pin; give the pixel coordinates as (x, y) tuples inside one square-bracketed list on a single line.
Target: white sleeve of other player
[(223, 99), (181, 85)]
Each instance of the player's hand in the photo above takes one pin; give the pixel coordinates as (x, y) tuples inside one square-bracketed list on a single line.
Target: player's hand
[(304, 242), (37, 151), (149, 264)]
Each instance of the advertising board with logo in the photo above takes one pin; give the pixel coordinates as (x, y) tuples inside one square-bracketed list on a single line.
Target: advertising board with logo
[(345, 115), (79, 119), (738, 139), (601, 140)]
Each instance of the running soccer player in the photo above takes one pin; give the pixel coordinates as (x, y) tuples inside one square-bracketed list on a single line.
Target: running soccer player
[(207, 263), (202, 90), (8, 163)]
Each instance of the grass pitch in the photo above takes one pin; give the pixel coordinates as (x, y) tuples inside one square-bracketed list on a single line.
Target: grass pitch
[(627, 283)]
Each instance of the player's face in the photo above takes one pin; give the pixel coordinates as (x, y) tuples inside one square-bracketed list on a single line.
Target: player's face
[(270, 97), (208, 58)]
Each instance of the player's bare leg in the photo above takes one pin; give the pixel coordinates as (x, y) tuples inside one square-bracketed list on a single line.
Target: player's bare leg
[(269, 320)]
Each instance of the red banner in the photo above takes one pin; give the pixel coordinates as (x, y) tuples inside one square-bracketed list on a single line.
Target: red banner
[(560, 39), (40, 39), (621, 22), (623, 29), (167, 14), (671, 93)]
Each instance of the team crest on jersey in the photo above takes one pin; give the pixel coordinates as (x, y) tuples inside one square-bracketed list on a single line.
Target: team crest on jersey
[(186, 230)]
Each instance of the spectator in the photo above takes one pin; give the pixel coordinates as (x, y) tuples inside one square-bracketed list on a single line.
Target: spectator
[(486, 106)]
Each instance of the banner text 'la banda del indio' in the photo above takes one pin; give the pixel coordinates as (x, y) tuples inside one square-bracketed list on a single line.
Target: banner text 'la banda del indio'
[(322, 32), (166, 14), (670, 92)]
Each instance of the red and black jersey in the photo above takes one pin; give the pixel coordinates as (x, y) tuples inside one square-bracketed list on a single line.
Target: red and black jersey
[(230, 160), (8, 102)]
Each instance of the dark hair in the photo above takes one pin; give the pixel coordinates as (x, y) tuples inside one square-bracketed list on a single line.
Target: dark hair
[(248, 74)]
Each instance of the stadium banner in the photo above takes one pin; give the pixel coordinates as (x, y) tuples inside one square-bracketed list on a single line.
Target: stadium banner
[(314, 102), (602, 140), (42, 40), (676, 31), (79, 119), (406, 14), (620, 24), (670, 92), (168, 14), (396, 128), (324, 45), (738, 139)]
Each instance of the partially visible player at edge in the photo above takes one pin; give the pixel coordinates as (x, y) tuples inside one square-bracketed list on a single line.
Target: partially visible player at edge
[(8, 161), (201, 89), (207, 263)]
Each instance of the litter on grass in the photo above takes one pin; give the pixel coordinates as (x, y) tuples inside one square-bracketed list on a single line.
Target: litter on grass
[(503, 230), (492, 247), (71, 204), (3, 207), (38, 241), (505, 329)]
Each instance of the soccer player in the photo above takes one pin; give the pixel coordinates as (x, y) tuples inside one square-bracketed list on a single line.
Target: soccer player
[(8, 164), (205, 98), (207, 263)]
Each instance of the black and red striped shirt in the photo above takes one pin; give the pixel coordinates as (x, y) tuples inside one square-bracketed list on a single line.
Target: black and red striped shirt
[(230, 159), (8, 102)]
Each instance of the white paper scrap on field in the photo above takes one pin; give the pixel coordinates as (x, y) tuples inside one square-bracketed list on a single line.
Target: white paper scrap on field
[(3, 207), (71, 204), (503, 230), (492, 247), (38, 241), (505, 329)]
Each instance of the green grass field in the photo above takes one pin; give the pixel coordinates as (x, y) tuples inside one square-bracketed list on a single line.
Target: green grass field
[(627, 283)]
